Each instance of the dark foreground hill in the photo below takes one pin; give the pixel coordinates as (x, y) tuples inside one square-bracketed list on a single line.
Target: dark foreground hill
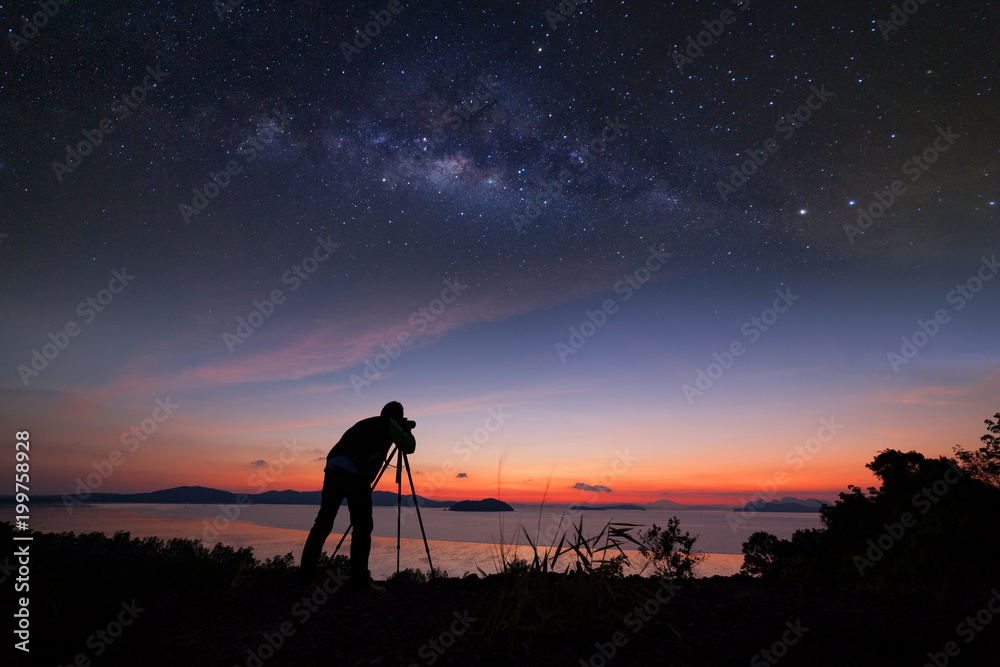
[(116, 601)]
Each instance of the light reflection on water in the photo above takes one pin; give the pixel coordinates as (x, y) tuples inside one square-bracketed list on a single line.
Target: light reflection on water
[(459, 541)]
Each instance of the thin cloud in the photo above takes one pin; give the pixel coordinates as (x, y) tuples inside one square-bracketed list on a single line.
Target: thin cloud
[(326, 345), (591, 487)]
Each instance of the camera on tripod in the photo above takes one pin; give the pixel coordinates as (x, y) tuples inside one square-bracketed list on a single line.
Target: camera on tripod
[(408, 424)]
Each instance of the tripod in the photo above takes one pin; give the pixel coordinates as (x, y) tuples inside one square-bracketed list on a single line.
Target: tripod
[(401, 460)]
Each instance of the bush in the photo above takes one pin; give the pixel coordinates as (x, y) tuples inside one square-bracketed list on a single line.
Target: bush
[(104, 572), (984, 463), (543, 599), (925, 527), (760, 552), (413, 575), (669, 550)]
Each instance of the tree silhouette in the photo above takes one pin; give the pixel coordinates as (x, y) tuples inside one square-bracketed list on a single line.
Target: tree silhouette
[(760, 553), (928, 525), (984, 463), (670, 550)]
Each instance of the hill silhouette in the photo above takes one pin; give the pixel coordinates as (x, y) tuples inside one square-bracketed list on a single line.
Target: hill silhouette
[(787, 504), (487, 505), (202, 495)]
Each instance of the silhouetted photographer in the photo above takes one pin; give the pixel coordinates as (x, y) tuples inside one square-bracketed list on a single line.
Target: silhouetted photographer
[(351, 467)]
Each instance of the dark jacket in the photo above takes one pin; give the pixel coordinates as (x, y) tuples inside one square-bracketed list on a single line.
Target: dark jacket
[(367, 443)]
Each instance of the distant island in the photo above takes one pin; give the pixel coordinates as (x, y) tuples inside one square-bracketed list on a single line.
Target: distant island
[(608, 507), (665, 504), (785, 505), (487, 505), (201, 495)]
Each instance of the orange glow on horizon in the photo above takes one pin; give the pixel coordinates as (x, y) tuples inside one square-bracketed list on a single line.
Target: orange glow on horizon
[(526, 493)]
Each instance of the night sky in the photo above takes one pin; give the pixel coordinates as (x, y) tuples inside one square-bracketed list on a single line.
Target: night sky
[(229, 232)]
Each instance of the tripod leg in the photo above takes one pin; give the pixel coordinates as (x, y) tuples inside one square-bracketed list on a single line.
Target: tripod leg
[(416, 506), (342, 538), (384, 467)]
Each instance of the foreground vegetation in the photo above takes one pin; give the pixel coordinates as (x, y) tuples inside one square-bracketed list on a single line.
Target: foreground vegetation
[(910, 558), (931, 524), (223, 607)]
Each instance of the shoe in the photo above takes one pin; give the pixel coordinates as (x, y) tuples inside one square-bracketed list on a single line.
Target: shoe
[(365, 586)]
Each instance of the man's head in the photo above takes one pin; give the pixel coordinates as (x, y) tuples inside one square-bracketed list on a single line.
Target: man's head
[(393, 409)]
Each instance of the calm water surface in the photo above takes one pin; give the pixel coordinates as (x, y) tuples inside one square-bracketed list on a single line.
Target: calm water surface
[(459, 541)]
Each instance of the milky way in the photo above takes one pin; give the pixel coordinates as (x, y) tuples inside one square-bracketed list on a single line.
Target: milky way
[(358, 115), (536, 152)]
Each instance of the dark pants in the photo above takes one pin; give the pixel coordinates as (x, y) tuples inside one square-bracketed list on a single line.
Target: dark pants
[(338, 484)]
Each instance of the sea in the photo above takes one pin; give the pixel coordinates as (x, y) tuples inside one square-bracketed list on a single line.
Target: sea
[(457, 542)]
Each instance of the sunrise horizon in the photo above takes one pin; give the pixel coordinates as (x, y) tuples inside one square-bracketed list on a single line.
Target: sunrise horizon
[(819, 462), (676, 260)]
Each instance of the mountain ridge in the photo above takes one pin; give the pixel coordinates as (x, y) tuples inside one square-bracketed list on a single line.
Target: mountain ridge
[(202, 495), (788, 504)]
